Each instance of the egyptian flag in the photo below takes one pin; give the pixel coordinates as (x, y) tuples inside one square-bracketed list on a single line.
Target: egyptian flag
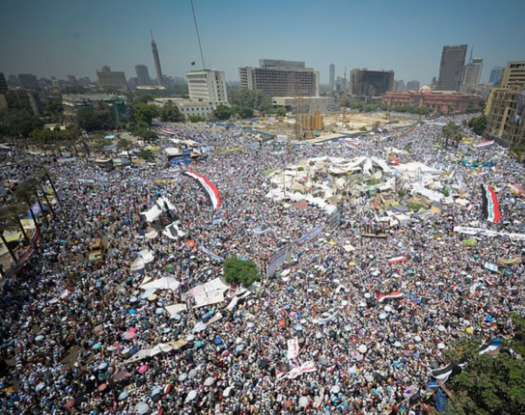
[(490, 204), (452, 369), (209, 188), (485, 144), (392, 296), (492, 348)]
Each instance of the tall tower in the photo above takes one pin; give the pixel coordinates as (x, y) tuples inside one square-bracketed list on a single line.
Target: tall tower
[(332, 76), (451, 68), (156, 60)]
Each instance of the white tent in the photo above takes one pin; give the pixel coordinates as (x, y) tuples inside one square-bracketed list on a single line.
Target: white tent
[(164, 283)]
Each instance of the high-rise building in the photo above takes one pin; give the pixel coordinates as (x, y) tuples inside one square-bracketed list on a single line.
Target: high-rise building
[(332, 76), (156, 59), (371, 83), (28, 81), (451, 68), (399, 85), (495, 75), (111, 81), (505, 109), (207, 85), (472, 72), (413, 86), (281, 78), (514, 75), (142, 75), (3, 84)]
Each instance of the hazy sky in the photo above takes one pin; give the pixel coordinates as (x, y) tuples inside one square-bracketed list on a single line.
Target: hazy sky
[(58, 37)]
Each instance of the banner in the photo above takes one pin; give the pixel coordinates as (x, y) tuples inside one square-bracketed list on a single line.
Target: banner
[(392, 296), (214, 257), (509, 261), (293, 348), (486, 232), (306, 367)]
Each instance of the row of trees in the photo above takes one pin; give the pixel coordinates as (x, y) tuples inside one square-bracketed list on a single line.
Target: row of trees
[(478, 124)]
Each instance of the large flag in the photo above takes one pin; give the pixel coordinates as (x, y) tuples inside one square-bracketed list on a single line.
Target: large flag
[(397, 259), (491, 348), (392, 296), (209, 188), (490, 204), (444, 373), (484, 144)]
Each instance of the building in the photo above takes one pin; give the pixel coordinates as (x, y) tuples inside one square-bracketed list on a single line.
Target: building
[(22, 99), (399, 85), (111, 81), (513, 75), (142, 75), (437, 101), (505, 112), (303, 105), (156, 59), (28, 81), (3, 84), (75, 103), (451, 68), (371, 83), (189, 107), (332, 76), (505, 109), (495, 75), (207, 85), (472, 72), (413, 86), (280, 78)]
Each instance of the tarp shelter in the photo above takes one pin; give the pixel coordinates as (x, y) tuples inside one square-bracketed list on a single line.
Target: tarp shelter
[(164, 283), (146, 255), (138, 266), (209, 293), (176, 308)]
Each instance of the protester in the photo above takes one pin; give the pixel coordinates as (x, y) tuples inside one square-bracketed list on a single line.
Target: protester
[(65, 321)]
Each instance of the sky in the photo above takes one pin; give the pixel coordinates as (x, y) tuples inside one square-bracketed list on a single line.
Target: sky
[(58, 37)]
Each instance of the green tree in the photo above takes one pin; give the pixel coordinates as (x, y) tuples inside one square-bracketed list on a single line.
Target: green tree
[(256, 100), (281, 112), (145, 154), (171, 113), (478, 124), (451, 131), (24, 124), (145, 112), (243, 112), (125, 145), (196, 118), (237, 271), (222, 112), (99, 118)]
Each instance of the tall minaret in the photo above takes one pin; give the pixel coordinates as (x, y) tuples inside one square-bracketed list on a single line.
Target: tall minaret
[(157, 60)]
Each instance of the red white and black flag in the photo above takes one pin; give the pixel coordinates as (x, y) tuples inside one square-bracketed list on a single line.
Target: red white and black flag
[(209, 188), (392, 296), (491, 210)]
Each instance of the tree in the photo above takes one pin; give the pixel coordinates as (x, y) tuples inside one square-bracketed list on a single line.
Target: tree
[(256, 100), (237, 271), (95, 119), (222, 112), (281, 112), (145, 154), (243, 112), (125, 145), (196, 118), (478, 124), (451, 131), (145, 112), (171, 113), (24, 124), (491, 385)]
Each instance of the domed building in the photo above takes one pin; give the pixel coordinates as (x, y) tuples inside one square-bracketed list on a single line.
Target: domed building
[(425, 89)]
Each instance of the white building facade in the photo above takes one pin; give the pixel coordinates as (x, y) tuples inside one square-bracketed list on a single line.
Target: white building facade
[(207, 85)]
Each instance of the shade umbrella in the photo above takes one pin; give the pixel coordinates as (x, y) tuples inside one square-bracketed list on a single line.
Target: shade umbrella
[(335, 389), (103, 387), (130, 335), (397, 344), (123, 395), (303, 401), (362, 348), (102, 366), (183, 377), (155, 394), (191, 374), (191, 396), (143, 369), (96, 346), (382, 316), (209, 381), (69, 404), (227, 391), (40, 386), (142, 408), (132, 311), (39, 338)]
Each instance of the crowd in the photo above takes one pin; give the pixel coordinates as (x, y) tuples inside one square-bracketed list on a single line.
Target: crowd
[(66, 322)]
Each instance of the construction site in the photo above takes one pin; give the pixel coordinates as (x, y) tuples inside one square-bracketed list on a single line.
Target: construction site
[(326, 126)]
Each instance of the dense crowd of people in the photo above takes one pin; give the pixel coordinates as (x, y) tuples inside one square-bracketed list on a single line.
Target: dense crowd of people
[(65, 321)]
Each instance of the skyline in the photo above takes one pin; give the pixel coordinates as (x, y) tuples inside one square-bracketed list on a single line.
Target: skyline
[(58, 38)]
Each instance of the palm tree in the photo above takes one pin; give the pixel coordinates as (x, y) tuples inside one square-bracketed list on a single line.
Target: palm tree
[(25, 192)]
